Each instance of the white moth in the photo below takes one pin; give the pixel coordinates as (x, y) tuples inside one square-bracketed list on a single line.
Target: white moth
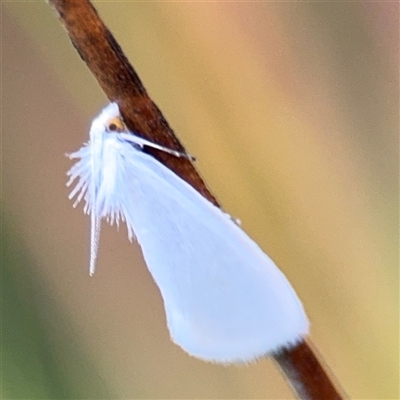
[(225, 300)]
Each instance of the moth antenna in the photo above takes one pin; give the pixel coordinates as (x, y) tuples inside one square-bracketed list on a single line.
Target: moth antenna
[(143, 142)]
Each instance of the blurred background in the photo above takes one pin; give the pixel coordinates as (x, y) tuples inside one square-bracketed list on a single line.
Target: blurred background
[(291, 109)]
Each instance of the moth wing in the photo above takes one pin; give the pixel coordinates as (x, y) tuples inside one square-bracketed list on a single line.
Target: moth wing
[(225, 300)]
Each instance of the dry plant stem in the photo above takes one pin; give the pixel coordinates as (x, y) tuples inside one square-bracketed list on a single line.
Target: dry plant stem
[(102, 54), (105, 59), (305, 374)]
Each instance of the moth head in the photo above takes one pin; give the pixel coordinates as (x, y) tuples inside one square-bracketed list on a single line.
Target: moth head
[(115, 124)]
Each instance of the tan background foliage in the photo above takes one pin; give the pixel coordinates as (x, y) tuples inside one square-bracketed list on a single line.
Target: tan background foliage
[(292, 112)]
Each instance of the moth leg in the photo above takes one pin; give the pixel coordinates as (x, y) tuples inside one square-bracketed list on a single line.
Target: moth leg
[(236, 221)]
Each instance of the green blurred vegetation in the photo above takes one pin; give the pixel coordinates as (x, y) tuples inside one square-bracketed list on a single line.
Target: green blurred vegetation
[(39, 359)]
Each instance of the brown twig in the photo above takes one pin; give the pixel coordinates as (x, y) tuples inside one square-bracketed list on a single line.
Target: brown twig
[(119, 81), (102, 54), (305, 373)]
